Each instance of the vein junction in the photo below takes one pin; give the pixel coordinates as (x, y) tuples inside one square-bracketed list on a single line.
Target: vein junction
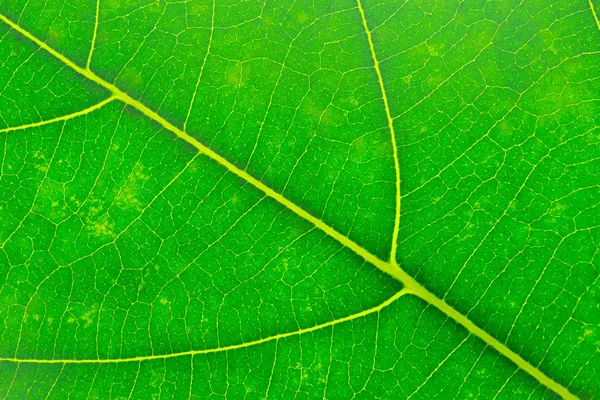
[(389, 267)]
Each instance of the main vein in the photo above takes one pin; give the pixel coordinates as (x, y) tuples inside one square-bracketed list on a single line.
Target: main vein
[(390, 267), (594, 13)]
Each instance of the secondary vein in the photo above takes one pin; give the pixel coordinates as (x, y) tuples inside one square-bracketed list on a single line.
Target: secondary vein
[(390, 122), (89, 60), (215, 349), (391, 268), (61, 118)]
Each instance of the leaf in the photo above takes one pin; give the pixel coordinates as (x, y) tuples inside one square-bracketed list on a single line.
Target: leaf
[(299, 200)]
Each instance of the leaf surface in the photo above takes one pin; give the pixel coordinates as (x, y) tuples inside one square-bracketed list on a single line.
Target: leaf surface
[(299, 200)]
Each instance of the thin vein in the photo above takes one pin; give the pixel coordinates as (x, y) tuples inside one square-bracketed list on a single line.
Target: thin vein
[(439, 366), (125, 98), (391, 268), (210, 38), (390, 121), (493, 342)]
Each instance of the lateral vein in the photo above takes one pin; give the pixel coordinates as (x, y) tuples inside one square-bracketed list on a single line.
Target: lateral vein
[(125, 98), (93, 45), (391, 268), (213, 350), (390, 122), (61, 118)]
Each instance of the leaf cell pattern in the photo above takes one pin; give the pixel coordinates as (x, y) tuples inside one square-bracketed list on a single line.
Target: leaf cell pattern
[(299, 199)]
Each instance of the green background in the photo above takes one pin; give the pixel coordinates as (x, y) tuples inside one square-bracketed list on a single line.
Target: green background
[(119, 240)]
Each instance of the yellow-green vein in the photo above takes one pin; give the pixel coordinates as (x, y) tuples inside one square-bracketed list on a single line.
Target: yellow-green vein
[(594, 13), (390, 122), (391, 268), (61, 118), (216, 349), (89, 60)]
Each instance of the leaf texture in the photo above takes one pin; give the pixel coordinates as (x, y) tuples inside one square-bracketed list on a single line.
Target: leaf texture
[(345, 199)]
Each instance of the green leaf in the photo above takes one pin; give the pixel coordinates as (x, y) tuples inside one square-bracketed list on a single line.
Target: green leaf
[(297, 199)]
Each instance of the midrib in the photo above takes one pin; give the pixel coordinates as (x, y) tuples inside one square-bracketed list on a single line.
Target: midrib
[(389, 267), (594, 14)]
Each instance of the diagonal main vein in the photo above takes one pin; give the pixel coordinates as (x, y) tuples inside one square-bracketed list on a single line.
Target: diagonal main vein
[(117, 93), (594, 14), (391, 268)]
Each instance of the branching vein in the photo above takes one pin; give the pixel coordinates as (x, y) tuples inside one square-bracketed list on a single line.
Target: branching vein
[(390, 267)]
